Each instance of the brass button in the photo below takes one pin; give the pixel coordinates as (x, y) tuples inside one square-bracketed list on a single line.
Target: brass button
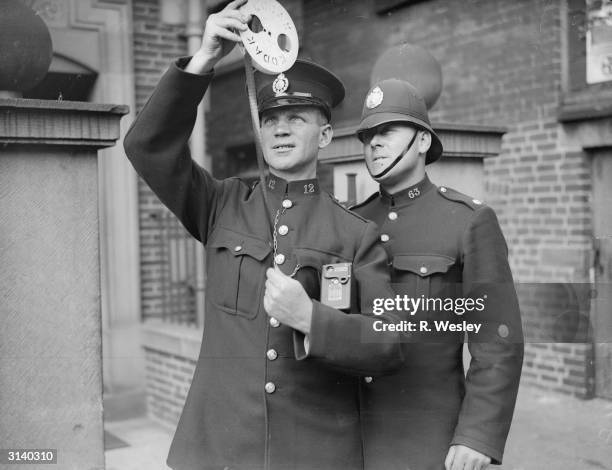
[(287, 204), (279, 259), (423, 270), (283, 230), (384, 237), (237, 248), (368, 379), (443, 189), (274, 323), (270, 387), (272, 354), (393, 215), (503, 331), (477, 201)]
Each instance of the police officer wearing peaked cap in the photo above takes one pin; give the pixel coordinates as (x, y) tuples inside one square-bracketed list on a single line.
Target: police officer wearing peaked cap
[(446, 245), (304, 84), (276, 382)]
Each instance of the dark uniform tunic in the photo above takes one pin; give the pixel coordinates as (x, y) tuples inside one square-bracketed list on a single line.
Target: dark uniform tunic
[(443, 244), (258, 399)]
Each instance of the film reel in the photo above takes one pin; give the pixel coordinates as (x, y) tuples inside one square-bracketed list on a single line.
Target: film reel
[(271, 40)]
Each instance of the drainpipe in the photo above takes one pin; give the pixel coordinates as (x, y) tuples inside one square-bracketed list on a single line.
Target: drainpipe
[(196, 18)]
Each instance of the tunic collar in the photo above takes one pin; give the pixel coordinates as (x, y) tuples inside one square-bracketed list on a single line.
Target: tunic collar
[(281, 187), (408, 195)]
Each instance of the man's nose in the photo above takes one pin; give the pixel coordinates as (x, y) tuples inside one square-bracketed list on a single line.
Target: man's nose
[(375, 140), (282, 127)]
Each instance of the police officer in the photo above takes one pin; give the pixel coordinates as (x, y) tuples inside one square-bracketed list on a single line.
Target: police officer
[(276, 381), (442, 245)]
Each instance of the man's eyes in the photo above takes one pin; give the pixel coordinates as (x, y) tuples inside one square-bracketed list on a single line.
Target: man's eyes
[(292, 119), (383, 131), (380, 131), (367, 136)]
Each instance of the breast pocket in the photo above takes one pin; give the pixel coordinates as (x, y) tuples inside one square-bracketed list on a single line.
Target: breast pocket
[(417, 274), (236, 272)]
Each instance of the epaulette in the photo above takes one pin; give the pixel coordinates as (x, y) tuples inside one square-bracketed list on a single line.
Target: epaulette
[(454, 195), (346, 209), (370, 198)]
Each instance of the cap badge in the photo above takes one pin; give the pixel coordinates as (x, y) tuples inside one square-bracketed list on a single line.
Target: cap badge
[(375, 97), (280, 84)]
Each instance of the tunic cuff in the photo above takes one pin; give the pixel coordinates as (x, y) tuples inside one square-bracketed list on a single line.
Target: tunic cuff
[(318, 329), (201, 81), (302, 344), (479, 446)]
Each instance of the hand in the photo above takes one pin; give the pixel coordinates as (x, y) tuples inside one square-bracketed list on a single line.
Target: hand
[(464, 458), (286, 300), (219, 37)]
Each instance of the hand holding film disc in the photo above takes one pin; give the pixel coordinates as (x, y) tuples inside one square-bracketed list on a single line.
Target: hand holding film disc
[(271, 39)]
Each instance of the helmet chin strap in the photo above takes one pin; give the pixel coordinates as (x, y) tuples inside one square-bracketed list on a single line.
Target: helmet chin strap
[(398, 158)]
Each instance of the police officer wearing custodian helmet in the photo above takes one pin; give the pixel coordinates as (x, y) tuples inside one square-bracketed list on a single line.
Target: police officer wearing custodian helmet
[(441, 244), (276, 383)]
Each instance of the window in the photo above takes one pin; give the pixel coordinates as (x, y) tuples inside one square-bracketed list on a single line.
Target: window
[(589, 44), (599, 41), (177, 279), (586, 60)]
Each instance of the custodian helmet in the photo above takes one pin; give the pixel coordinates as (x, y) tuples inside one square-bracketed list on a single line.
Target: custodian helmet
[(394, 100)]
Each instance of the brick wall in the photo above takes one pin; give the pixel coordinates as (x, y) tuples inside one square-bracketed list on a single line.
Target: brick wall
[(560, 367), (168, 378), (156, 45)]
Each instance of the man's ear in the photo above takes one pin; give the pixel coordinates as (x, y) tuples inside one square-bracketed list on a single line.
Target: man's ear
[(325, 135), (424, 141)]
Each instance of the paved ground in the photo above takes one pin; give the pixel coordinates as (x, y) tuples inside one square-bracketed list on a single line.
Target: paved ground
[(557, 432), (148, 445), (549, 432)]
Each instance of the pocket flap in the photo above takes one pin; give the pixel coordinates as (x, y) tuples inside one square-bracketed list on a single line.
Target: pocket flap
[(314, 258), (309, 258), (423, 265), (239, 244)]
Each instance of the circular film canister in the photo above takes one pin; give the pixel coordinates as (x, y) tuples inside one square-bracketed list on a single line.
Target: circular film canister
[(271, 39)]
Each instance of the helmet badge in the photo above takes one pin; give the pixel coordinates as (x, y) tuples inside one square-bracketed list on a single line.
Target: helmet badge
[(280, 84), (375, 97)]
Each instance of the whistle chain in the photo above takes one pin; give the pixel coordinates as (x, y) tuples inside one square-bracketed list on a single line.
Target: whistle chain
[(274, 238)]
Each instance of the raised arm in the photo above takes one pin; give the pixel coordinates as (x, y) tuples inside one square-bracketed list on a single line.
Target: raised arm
[(157, 142)]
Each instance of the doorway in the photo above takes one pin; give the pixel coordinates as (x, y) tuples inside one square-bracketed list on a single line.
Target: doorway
[(601, 271)]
